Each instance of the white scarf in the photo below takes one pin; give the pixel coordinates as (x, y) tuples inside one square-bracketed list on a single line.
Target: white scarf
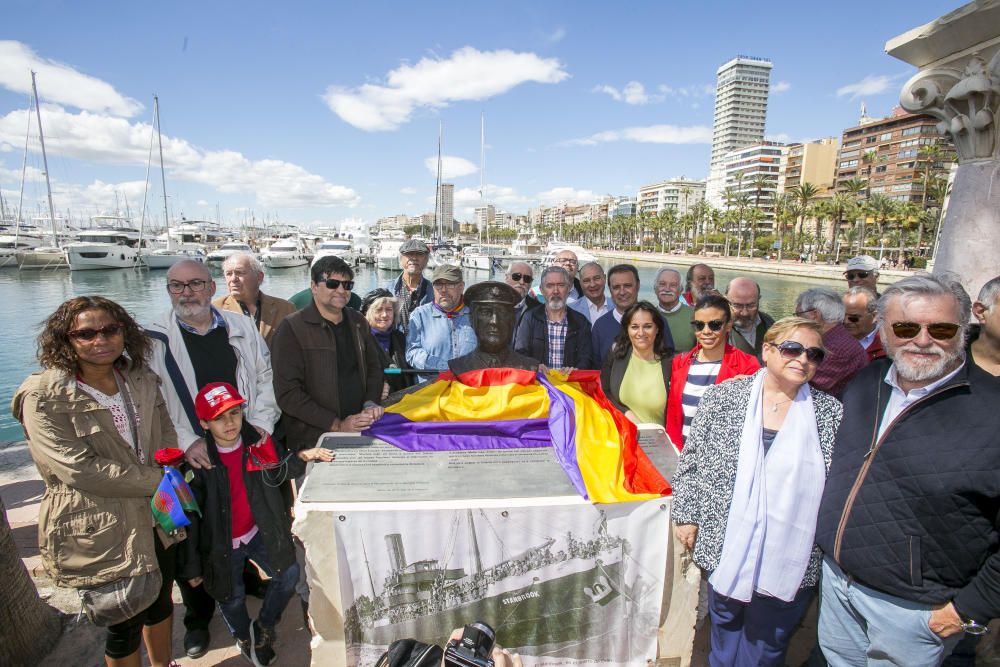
[(772, 526)]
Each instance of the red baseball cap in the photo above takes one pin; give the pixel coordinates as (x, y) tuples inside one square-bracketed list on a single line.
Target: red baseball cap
[(215, 398)]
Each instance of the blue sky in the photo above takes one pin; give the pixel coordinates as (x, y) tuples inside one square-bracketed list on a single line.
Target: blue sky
[(314, 113)]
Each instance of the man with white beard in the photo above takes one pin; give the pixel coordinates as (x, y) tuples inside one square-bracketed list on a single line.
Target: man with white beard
[(909, 518), (556, 335)]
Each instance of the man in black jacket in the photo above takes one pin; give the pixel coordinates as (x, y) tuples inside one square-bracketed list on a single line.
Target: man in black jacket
[(909, 518), (556, 335)]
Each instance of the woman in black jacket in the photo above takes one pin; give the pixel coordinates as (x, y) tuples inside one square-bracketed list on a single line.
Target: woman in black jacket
[(381, 309), (636, 373)]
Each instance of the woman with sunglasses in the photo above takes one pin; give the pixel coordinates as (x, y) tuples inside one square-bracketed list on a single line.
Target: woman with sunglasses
[(711, 361), (636, 373), (381, 309), (94, 419), (747, 492)]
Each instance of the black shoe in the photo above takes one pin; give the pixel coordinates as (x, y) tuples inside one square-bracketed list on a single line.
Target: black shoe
[(246, 650), (196, 643), (263, 644)]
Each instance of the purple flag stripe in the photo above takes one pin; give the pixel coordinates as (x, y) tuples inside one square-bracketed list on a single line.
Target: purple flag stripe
[(412, 436), (562, 431)]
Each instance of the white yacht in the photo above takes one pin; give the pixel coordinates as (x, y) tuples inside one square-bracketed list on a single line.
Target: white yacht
[(582, 255), (111, 244), (342, 248), (49, 257), (285, 253), (221, 253), (484, 258), (387, 258), (18, 242), (164, 258)]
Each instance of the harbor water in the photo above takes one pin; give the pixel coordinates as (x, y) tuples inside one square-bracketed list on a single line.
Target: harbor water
[(28, 297)]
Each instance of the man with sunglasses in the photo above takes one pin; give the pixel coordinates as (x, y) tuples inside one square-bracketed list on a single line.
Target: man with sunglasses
[(442, 330), (860, 304), (520, 275), (909, 518), (195, 344), (862, 271), (844, 357)]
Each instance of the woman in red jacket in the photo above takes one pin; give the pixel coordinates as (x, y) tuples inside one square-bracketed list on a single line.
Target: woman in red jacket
[(713, 360)]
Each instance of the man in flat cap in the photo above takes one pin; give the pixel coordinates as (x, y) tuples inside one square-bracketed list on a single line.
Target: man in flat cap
[(441, 330), (410, 287), (492, 305)]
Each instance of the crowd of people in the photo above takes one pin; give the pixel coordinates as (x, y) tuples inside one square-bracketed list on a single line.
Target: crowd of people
[(851, 446)]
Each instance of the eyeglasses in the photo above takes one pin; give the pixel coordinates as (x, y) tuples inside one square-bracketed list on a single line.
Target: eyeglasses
[(791, 349), (853, 318), (742, 306), (108, 331), (333, 283), (443, 285), (522, 277), (566, 260), (714, 325), (800, 313), (855, 275), (937, 330), (177, 287)]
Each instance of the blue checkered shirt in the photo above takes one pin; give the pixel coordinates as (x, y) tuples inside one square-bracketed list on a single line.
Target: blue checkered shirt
[(557, 342)]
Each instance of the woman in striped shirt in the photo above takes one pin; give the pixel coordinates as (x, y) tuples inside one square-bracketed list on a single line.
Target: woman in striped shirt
[(713, 360)]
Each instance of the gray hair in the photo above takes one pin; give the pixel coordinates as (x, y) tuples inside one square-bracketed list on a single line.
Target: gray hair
[(666, 269), (393, 301), (590, 264), (251, 261), (824, 301), (989, 293), (870, 295), (928, 285), (555, 269)]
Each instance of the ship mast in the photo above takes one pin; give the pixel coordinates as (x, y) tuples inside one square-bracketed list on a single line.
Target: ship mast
[(475, 543), (438, 213), (163, 177), (45, 161), (482, 174)]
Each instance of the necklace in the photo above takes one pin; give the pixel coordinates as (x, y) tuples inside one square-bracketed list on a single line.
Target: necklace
[(774, 406)]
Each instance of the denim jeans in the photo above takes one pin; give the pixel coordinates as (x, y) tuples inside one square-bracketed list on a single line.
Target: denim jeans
[(859, 626), (280, 589)]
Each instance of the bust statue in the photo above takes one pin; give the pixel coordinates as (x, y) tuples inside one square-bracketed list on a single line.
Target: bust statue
[(492, 314)]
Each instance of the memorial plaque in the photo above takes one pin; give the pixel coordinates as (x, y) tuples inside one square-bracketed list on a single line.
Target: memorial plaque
[(370, 470), (661, 451)]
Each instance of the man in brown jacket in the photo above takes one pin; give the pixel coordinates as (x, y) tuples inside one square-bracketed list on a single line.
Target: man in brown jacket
[(244, 274), (327, 374)]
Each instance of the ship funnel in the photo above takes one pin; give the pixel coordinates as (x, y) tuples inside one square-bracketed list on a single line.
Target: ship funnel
[(394, 544)]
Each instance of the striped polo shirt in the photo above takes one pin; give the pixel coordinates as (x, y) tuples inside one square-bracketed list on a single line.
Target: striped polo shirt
[(700, 377)]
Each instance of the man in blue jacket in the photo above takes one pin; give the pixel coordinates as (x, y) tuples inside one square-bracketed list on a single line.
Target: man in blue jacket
[(556, 335), (440, 331), (910, 518)]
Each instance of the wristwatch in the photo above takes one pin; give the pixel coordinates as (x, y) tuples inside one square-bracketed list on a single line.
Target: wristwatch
[(969, 625)]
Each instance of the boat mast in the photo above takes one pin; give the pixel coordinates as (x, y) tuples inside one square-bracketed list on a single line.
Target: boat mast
[(482, 174), (475, 543), (45, 161), (163, 177), (145, 189), (24, 167), (438, 213)]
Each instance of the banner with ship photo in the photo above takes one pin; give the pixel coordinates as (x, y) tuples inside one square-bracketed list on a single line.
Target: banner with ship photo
[(561, 584)]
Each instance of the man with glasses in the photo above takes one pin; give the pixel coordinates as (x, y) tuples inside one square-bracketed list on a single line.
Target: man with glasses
[(860, 304), (909, 518), (844, 357), (595, 302), (556, 335), (195, 344), (519, 275), (750, 323), (567, 259), (862, 271), (411, 288), (440, 331)]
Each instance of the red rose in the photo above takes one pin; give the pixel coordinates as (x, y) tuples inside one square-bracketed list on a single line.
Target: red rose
[(170, 456)]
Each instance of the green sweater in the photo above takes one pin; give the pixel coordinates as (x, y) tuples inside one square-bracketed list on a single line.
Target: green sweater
[(679, 322)]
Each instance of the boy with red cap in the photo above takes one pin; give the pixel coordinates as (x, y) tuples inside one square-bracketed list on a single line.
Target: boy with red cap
[(244, 518)]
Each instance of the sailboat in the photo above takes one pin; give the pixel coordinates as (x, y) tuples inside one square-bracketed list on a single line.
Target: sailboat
[(51, 256), (442, 252), (164, 258), (483, 256)]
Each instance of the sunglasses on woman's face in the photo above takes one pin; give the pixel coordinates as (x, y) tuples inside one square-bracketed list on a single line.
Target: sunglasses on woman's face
[(519, 277), (714, 325), (108, 331), (937, 330), (793, 350)]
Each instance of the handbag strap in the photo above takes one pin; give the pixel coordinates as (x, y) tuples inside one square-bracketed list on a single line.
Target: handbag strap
[(133, 422)]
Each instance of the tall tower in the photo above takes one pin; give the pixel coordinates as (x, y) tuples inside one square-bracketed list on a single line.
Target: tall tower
[(741, 91), (446, 202)]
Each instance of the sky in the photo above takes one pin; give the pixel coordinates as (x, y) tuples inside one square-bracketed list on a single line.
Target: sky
[(313, 113)]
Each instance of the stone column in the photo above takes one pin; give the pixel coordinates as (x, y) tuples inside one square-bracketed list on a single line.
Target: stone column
[(959, 84)]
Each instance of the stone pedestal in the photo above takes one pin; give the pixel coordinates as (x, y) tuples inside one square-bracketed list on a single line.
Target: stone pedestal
[(959, 84)]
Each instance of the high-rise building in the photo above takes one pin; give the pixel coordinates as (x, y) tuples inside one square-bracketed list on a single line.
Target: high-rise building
[(885, 153), (484, 216), (679, 194), (814, 162), (757, 171), (741, 91), (446, 207)]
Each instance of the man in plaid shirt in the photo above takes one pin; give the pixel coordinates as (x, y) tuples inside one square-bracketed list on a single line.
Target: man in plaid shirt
[(556, 334)]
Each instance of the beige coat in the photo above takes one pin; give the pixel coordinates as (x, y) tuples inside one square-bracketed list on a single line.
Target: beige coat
[(272, 311), (95, 524)]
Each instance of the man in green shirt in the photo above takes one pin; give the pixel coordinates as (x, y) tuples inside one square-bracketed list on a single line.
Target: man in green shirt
[(678, 315)]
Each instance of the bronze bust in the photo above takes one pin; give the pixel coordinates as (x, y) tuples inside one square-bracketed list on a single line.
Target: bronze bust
[(492, 314)]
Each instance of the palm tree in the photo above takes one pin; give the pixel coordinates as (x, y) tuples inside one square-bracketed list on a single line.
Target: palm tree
[(804, 193), (882, 209), (781, 205), (841, 206)]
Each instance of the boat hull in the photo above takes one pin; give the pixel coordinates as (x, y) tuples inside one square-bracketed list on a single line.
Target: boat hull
[(42, 259), (166, 260), (284, 261), (89, 257)]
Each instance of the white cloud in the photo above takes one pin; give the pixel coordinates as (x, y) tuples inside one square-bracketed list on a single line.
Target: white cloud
[(452, 166), (652, 134), (408, 190), (781, 87), (104, 139), (870, 85), (468, 74), (632, 93), (500, 196), (201, 202), (60, 83), (693, 91), (557, 35), (565, 195), (782, 137)]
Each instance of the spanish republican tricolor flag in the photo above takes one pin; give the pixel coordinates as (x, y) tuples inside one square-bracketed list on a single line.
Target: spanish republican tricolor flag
[(504, 408)]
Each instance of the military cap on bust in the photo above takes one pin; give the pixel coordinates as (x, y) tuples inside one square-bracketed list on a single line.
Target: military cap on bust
[(491, 291)]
